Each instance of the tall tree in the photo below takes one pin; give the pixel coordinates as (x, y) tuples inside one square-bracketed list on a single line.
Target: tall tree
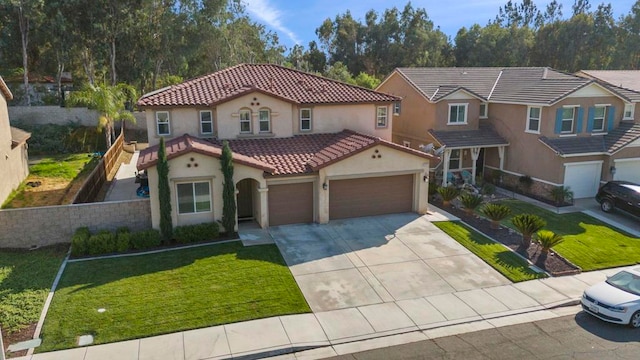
[(228, 190), (164, 192)]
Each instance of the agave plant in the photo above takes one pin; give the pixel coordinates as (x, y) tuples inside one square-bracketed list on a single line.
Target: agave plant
[(448, 194), (495, 213), (528, 224), (471, 201), (547, 239)]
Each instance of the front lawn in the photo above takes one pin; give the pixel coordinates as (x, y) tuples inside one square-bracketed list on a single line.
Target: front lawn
[(25, 280), (161, 293), (499, 257), (588, 242)]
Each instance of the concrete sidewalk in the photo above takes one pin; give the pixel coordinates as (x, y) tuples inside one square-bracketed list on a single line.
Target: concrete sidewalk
[(123, 186), (333, 332)]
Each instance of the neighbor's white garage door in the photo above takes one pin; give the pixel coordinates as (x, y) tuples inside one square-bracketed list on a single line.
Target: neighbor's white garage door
[(583, 178), (628, 169)]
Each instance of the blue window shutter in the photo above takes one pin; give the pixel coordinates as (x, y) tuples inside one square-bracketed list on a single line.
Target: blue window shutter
[(611, 118), (590, 116), (579, 120), (558, 121)]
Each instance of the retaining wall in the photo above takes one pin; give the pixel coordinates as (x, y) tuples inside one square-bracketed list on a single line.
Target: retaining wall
[(42, 226), (58, 115)]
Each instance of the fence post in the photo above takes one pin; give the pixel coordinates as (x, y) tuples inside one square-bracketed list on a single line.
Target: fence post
[(1, 346)]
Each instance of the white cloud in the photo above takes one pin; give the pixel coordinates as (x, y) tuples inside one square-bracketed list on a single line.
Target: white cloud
[(265, 11)]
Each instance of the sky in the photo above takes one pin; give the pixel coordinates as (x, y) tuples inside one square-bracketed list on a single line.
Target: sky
[(295, 21)]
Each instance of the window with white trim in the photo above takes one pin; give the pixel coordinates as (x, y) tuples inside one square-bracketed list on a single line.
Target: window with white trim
[(206, 122), (484, 110), (458, 113), (245, 121), (381, 116), (454, 160), (305, 119), (264, 117), (599, 118), (162, 123), (568, 115), (628, 111), (396, 108), (193, 197), (533, 119)]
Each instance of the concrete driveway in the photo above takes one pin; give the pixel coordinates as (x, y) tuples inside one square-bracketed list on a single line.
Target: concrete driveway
[(373, 260), (617, 219)]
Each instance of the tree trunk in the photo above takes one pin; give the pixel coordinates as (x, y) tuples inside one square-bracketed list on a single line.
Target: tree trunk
[(59, 72), (526, 241), (112, 58), (87, 64), (24, 37), (495, 224)]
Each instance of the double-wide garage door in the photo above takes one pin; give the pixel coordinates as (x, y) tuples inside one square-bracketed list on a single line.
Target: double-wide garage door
[(370, 196), (290, 203)]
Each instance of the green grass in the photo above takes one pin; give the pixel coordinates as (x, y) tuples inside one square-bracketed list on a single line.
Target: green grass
[(172, 291), (62, 166), (25, 280), (500, 258), (588, 242)]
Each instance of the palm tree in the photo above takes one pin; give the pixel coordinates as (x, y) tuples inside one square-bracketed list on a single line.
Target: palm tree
[(471, 201), (109, 102), (448, 194), (527, 224), (547, 239), (495, 213)]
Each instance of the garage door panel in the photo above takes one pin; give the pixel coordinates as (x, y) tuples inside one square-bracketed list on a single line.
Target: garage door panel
[(370, 196), (583, 179), (628, 171), (290, 203)]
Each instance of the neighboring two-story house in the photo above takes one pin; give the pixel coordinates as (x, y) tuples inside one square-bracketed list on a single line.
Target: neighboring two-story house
[(557, 128), (305, 148), (14, 158)]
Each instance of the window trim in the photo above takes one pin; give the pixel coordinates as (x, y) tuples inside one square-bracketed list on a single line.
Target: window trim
[(397, 108), (193, 194), (305, 119), (573, 119), (210, 121), (168, 123), (249, 121), (604, 117), (624, 113), (529, 118), (484, 115), (268, 121), (466, 114), (378, 116)]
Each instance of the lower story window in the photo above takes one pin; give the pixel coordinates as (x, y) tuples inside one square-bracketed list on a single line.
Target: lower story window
[(454, 160), (193, 197)]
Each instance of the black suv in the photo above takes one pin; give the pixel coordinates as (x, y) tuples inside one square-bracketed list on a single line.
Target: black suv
[(622, 195)]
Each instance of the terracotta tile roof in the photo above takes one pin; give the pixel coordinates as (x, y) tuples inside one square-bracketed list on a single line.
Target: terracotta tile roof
[(5, 90), (484, 136), (18, 136), (297, 155), (278, 81), (608, 144)]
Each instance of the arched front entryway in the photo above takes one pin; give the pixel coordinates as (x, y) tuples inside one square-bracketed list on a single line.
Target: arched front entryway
[(248, 200)]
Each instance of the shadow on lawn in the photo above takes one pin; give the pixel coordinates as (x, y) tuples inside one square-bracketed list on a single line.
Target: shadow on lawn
[(94, 273)]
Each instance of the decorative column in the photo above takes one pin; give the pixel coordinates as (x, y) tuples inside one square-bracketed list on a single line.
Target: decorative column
[(445, 167), (501, 155), (475, 153), (264, 206)]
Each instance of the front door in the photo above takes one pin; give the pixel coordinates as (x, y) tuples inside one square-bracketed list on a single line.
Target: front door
[(245, 200)]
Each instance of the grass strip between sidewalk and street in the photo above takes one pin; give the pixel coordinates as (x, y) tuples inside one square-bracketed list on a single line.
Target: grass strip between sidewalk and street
[(498, 256), (166, 292)]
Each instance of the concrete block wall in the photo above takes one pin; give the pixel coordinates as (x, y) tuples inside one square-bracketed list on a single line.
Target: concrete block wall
[(28, 227), (39, 115)]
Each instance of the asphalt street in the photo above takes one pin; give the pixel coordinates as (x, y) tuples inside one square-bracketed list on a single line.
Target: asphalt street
[(577, 336)]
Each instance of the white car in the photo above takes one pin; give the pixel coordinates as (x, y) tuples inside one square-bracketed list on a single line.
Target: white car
[(616, 300)]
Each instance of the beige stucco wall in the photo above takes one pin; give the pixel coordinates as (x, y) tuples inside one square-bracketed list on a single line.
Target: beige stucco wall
[(228, 119), (442, 115), (13, 162), (360, 118)]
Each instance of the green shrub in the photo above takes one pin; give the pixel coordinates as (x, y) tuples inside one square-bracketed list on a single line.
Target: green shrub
[(123, 241), (122, 229), (194, 233), (145, 239), (495, 213), (471, 201), (103, 242), (528, 224), (79, 241), (561, 194), (433, 188), (448, 193), (488, 189)]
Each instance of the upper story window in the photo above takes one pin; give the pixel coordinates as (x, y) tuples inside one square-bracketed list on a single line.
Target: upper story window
[(568, 116), (484, 110), (193, 197), (264, 115), (628, 111), (396, 108), (245, 121), (305, 119), (381, 116), (206, 122), (533, 119), (458, 113), (162, 123), (599, 118)]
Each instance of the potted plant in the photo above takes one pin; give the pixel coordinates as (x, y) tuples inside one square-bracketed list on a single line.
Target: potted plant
[(495, 213), (528, 224)]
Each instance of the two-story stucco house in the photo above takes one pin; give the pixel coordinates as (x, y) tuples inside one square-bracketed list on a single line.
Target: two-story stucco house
[(557, 128), (305, 148), (14, 159)]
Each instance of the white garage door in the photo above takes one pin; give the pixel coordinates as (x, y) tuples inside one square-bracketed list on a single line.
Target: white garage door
[(628, 169), (583, 178)]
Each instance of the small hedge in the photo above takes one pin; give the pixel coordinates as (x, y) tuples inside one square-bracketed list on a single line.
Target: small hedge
[(83, 243)]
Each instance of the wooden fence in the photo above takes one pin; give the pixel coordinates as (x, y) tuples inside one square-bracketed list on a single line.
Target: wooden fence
[(98, 176)]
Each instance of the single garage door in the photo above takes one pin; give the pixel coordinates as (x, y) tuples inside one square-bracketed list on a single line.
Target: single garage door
[(583, 178), (370, 196), (290, 203), (628, 170)]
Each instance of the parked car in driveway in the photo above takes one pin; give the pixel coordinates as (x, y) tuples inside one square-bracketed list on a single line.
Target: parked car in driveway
[(617, 299), (620, 195)]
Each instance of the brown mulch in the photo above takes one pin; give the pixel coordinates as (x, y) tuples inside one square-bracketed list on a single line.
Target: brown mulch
[(554, 264), (16, 337)]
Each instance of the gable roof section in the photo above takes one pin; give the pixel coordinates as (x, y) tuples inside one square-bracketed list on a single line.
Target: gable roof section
[(626, 82), (528, 85), (274, 80), (608, 144), (297, 155), (5, 90), (485, 136)]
